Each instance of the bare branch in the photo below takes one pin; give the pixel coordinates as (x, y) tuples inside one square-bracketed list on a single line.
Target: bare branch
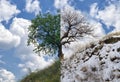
[(74, 26)]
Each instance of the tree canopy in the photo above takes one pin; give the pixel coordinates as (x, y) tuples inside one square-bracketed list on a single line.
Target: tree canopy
[(44, 33)]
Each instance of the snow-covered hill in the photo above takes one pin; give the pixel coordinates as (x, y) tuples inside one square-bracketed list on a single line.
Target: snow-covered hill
[(100, 62)]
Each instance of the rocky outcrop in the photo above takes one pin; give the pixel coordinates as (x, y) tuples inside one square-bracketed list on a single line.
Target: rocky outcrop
[(100, 62)]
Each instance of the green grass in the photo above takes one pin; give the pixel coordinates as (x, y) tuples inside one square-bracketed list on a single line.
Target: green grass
[(49, 74)]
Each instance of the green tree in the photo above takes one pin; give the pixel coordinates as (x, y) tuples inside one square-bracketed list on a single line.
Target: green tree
[(44, 33)]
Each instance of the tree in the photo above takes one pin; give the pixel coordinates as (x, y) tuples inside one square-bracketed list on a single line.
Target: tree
[(48, 33), (44, 33), (73, 26)]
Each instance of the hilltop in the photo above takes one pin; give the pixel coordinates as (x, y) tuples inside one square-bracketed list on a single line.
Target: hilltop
[(99, 62)]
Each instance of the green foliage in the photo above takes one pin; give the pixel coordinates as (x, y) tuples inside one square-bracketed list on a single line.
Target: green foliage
[(44, 33), (50, 74)]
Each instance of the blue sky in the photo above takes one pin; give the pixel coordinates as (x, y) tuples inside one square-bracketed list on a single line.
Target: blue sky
[(16, 57)]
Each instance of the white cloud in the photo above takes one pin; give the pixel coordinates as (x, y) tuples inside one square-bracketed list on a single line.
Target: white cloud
[(93, 9), (7, 10), (33, 62), (30, 60), (6, 76), (7, 39), (98, 30), (20, 26), (60, 3), (32, 6), (110, 15)]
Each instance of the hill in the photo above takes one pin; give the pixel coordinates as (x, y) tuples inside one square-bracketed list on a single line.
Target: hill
[(49, 74), (99, 62)]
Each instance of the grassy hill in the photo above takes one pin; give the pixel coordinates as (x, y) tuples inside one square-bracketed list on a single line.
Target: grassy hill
[(49, 74)]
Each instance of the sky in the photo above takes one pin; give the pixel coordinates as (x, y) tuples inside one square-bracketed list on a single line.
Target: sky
[(16, 58)]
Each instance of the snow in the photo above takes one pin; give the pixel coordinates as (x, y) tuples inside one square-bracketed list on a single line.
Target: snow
[(98, 64)]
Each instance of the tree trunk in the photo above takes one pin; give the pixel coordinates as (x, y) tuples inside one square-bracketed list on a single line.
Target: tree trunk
[(60, 53)]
